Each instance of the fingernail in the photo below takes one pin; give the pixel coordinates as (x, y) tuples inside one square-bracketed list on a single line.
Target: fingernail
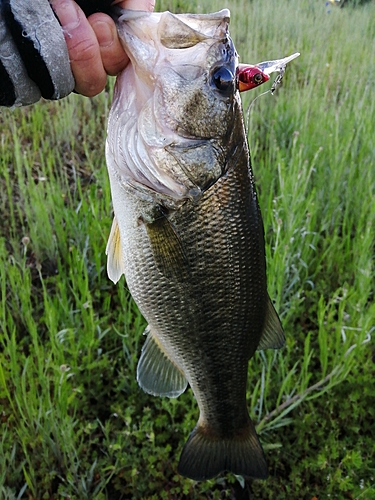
[(103, 33), (68, 15)]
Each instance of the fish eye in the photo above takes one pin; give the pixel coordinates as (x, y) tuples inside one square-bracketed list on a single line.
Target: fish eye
[(223, 80), (258, 78)]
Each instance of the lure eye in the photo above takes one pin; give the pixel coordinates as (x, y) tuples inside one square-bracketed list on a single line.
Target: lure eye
[(223, 80), (258, 78)]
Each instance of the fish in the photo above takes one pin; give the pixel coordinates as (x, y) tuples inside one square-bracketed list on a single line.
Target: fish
[(187, 231)]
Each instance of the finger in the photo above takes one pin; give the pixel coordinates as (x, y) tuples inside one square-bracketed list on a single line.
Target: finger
[(112, 54), (83, 47)]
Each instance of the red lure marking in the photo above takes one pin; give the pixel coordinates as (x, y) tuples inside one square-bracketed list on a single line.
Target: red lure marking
[(250, 77)]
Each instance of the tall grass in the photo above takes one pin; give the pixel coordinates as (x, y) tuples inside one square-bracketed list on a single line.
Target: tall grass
[(74, 424)]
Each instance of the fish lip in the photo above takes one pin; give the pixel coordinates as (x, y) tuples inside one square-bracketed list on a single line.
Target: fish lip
[(129, 14), (182, 133), (196, 139)]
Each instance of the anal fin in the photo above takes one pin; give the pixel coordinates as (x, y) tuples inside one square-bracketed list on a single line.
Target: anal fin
[(157, 374), (115, 265), (273, 334)]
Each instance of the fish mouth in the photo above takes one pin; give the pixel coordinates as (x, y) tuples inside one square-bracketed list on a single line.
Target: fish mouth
[(154, 40), (174, 105)]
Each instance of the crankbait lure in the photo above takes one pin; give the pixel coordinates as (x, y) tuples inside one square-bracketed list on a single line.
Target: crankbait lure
[(252, 75)]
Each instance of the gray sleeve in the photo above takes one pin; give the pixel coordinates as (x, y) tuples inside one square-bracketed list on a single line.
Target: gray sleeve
[(34, 58)]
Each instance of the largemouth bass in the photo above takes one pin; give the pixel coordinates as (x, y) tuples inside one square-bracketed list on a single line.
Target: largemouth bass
[(187, 230)]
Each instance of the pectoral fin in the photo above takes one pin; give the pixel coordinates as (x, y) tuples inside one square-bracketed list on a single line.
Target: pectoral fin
[(167, 249), (157, 374), (115, 265), (273, 334)]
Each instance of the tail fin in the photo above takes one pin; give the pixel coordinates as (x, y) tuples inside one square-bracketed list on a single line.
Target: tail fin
[(204, 456)]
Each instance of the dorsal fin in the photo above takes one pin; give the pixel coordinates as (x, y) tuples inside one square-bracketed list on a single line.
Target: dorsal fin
[(157, 374), (273, 334), (115, 264)]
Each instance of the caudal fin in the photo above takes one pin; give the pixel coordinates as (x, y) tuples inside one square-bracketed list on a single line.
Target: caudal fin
[(204, 456)]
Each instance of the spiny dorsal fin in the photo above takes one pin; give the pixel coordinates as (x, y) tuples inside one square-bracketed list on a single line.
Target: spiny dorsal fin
[(273, 334), (115, 265), (157, 374)]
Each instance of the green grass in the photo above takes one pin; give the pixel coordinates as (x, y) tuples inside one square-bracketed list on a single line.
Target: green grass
[(74, 423)]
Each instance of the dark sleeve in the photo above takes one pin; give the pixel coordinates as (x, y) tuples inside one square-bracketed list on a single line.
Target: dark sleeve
[(34, 58)]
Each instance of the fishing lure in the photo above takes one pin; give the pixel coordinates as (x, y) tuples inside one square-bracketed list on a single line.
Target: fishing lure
[(250, 76)]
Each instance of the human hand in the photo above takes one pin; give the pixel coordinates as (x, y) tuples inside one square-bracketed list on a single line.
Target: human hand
[(94, 48)]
